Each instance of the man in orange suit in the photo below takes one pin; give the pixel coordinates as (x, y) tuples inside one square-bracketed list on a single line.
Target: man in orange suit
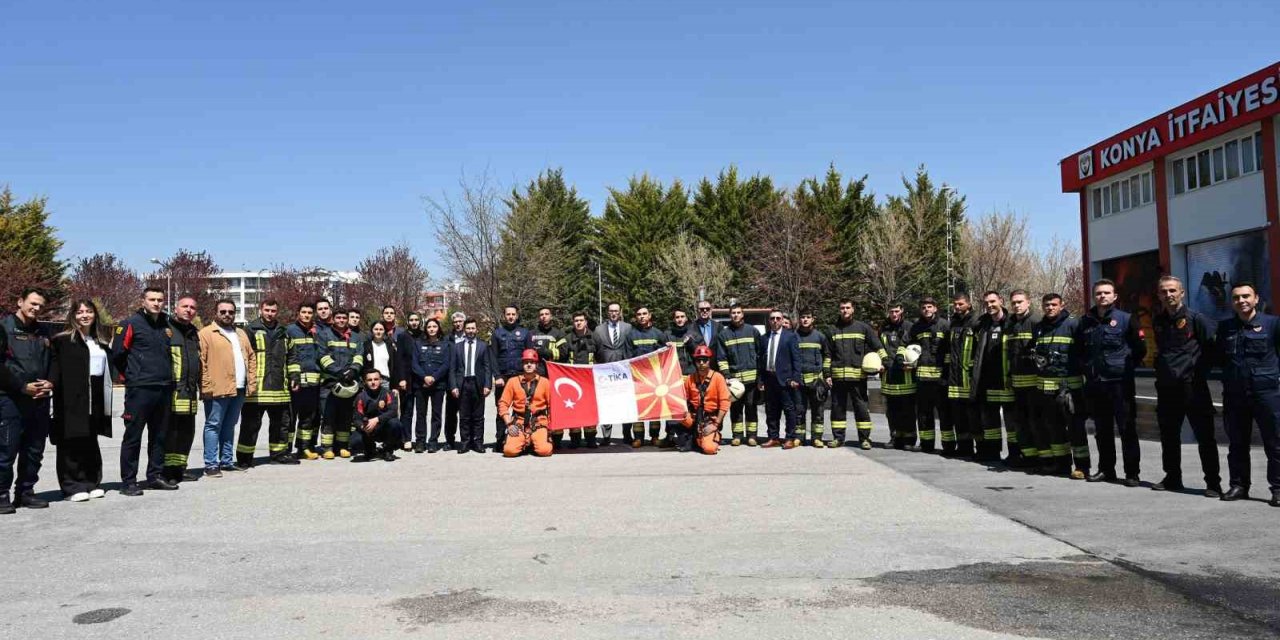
[(523, 408), (708, 397)]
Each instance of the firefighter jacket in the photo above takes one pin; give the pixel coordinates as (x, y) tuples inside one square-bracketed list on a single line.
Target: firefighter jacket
[(1110, 344), (550, 344), (1054, 344), (581, 348), (815, 355), (340, 355), (931, 336), (505, 346), (899, 380), (184, 355), (381, 404), (302, 355), (991, 376), (140, 351), (9, 383), (27, 357), (1184, 345), (270, 349), (959, 355), (683, 340), (849, 343), (1250, 356), (430, 358), (640, 341), (1017, 348), (737, 349)]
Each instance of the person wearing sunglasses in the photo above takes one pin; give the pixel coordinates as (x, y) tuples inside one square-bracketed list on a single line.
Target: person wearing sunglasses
[(779, 378), (227, 364)]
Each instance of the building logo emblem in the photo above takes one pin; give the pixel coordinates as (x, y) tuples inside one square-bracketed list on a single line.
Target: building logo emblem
[(1084, 164)]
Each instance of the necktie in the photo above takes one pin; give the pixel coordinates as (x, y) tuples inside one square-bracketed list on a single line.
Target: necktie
[(471, 365), (613, 334), (773, 350)]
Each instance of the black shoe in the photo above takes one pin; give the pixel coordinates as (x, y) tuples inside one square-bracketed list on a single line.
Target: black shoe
[(1101, 476), (285, 458), (160, 484), (30, 501), (235, 467), (418, 447), (389, 455), (189, 475), (1235, 493), (131, 489), (6, 507), (462, 450), (1275, 499), (364, 457), (477, 449), (1168, 484), (592, 443), (212, 472), (1213, 491), (1132, 481)]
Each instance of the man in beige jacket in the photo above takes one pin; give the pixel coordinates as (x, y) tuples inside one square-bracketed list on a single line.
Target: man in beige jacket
[(227, 366)]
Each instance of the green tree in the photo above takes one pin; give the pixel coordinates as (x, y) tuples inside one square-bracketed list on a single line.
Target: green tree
[(639, 224), (722, 212), (849, 206), (563, 233), (29, 251), (932, 218)]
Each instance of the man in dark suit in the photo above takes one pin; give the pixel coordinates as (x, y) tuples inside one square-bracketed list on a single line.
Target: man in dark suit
[(470, 382), (611, 336), (779, 376)]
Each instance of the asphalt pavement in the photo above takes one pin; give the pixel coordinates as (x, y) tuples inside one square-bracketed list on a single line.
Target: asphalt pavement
[(642, 543)]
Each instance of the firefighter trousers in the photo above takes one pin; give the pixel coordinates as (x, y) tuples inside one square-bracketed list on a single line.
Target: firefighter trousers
[(251, 423), (931, 403), (843, 393), (304, 405)]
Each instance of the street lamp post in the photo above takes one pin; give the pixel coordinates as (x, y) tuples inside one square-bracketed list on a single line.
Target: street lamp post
[(168, 283)]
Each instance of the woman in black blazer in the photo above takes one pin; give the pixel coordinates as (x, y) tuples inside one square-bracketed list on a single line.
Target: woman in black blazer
[(81, 375)]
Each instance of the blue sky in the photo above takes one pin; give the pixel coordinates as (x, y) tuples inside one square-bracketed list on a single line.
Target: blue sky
[(308, 133)]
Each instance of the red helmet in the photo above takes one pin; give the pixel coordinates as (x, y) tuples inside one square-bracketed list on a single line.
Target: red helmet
[(703, 351), (529, 354)]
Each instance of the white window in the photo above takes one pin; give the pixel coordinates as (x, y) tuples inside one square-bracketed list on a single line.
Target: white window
[(1225, 162), (1122, 195), (1232, 152), (1146, 188), (1246, 155), (1179, 177)]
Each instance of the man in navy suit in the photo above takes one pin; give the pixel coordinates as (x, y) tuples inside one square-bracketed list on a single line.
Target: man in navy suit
[(779, 376), (471, 374)]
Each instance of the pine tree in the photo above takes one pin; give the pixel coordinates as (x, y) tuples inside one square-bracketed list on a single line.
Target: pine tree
[(568, 224), (638, 225), (29, 251), (722, 213)]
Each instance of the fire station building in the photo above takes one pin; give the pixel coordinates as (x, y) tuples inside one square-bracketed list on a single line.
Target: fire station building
[(1191, 192)]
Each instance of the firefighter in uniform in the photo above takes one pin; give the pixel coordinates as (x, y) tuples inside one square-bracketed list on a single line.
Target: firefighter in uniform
[(1184, 354), (580, 348), (683, 339), (929, 333), (1250, 345), (850, 341), (1017, 416), (644, 338), (1057, 406), (990, 391), (375, 413), (270, 349), (140, 353), (25, 416), (899, 384), (549, 342), (815, 368), (965, 414), (184, 351), (523, 410), (341, 359), (737, 346), (302, 367), (1110, 344), (506, 343)]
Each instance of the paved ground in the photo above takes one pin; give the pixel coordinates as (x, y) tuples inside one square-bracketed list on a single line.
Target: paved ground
[(622, 543)]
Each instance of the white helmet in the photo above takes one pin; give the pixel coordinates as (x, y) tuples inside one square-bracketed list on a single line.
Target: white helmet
[(346, 389), (911, 355), (871, 362), (736, 389)]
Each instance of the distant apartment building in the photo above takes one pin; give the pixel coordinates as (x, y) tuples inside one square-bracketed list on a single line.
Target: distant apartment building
[(245, 288)]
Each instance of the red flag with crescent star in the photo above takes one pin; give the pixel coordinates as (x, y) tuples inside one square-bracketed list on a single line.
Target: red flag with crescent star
[(648, 387)]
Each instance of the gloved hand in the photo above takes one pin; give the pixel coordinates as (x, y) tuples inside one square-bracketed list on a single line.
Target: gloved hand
[(348, 375)]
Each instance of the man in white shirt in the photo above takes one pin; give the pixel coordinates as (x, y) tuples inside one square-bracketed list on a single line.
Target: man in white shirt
[(227, 364)]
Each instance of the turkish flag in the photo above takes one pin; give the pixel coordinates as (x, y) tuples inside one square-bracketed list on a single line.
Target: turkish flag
[(573, 397)]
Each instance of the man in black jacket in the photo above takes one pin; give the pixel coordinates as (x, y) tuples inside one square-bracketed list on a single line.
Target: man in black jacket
[(24, 415), (1184, 344), (374, 416), (1110, 346), (140, 352), (580, 348)]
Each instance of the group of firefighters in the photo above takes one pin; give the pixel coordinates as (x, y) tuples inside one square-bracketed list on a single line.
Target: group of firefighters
[(973, 385)]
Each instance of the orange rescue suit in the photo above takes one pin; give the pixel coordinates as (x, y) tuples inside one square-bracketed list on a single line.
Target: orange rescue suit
[(515, 402)]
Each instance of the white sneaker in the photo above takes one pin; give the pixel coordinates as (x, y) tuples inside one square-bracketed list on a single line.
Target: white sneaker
[(79, 497), (97, 493)]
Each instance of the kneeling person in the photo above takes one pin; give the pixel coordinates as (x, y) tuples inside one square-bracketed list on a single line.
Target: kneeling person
[(523, 408), (708, 396), (376, 411)]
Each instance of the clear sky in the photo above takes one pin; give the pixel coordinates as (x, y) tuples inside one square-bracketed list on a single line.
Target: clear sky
[(309, 132)]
